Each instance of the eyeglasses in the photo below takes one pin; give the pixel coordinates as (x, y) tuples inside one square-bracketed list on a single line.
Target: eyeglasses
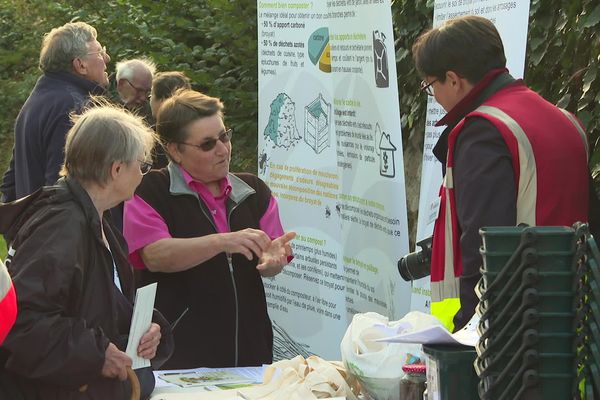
[(427, 88), (145, 92), (210, 144), (102, 52), (145, 167)]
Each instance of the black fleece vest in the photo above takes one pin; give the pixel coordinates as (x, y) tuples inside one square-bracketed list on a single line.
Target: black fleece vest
[(218, 307)]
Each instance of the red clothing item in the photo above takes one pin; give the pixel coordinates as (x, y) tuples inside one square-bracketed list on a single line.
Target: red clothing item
[(548, 155), (8, 303)]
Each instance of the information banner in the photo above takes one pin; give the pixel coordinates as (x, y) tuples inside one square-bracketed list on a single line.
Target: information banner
[(510, 18), (330, 148)]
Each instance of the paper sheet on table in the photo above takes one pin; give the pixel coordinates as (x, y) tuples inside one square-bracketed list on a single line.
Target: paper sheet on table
[(433, 334), (140, 323), (206, 378), (254, 374)]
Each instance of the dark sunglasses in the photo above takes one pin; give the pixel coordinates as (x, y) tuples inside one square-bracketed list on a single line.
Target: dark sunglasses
[(210, 144), (426, 87), (145, 167)]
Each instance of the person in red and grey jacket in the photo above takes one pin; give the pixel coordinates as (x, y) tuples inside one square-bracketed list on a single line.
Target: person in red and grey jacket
[(8, 303), (508, 156)]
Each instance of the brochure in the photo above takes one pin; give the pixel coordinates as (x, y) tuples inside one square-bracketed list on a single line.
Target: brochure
[(204, 378)]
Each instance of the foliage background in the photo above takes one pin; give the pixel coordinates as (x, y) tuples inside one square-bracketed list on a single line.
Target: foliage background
[(214, 42)]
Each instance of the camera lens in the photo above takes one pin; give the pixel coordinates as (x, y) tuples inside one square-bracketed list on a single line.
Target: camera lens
[(403, 269), (413, 266)]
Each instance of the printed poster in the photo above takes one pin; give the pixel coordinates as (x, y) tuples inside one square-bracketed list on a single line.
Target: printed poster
[(330, 148)]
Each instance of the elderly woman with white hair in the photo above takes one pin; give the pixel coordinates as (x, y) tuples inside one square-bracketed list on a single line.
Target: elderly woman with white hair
[(70, 270)]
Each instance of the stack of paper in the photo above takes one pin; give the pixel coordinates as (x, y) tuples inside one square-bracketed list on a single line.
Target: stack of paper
[(431, 334)]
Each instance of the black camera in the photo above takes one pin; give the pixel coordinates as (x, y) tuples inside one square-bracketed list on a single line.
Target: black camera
[(417, 265)]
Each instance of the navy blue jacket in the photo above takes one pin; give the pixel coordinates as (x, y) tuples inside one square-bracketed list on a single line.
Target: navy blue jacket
[(40, 131)]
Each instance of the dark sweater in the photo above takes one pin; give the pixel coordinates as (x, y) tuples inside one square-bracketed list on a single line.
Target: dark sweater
[(227, 323), (40, 131)]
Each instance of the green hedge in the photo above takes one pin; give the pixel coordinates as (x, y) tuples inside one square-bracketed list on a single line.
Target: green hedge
[(214, 42), (562, 60)]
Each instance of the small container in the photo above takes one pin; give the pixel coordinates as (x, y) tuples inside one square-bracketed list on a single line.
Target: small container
[(450, 372), (412, 384)]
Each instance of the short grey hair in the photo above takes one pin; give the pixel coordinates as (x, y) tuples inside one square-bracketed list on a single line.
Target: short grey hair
[(102, 135), (61, 45), (126, 69)]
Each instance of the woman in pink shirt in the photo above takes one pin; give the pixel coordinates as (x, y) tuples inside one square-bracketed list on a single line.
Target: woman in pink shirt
[(207, 236)]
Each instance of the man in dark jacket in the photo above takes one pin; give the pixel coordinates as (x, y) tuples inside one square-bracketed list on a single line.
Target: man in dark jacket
[(130, 87), (73, 63), (133, 81)]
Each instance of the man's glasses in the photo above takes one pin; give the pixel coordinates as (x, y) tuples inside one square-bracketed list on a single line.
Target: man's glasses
[(427, 88), (144, 91), (145, 167), (210, 144), (102, 52)]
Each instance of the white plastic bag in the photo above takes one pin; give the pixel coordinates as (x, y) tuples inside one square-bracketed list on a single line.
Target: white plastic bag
[(376, 365)]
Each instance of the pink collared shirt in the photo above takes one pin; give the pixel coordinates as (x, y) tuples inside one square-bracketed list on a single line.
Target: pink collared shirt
[(143, 225)]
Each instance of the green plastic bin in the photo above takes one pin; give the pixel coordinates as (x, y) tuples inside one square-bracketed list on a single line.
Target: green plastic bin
[(534, 292), (450, 372), (507, 239)]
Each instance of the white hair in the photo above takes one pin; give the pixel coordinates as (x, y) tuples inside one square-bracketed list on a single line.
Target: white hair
[(126, 69)]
